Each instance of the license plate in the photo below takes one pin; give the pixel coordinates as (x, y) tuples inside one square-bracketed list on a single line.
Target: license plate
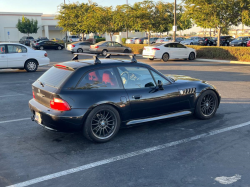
[(38, 118)]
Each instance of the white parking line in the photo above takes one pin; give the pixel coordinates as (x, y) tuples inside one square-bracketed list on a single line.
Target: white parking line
[(11, 95), (125, 156), (14, 120)]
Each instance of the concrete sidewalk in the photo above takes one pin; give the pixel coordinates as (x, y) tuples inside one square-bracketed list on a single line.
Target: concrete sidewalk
[(222, 61)]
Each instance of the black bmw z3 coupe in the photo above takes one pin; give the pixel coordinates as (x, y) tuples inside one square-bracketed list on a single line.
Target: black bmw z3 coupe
[(100, 96)]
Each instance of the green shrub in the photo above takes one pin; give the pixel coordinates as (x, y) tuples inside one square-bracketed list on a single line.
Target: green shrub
[(136, 48), (209, 52), (100, 39), (124, 40)]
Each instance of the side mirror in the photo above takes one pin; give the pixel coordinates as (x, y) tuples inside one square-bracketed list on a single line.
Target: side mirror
[(160, 85)]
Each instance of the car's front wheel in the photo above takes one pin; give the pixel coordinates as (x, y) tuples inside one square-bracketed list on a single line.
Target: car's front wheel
[(151, 58), (126, 51), (191, 56), (59, 47), (207, 105), (165, 57), (41, 48), (31, 66), (102, 124)]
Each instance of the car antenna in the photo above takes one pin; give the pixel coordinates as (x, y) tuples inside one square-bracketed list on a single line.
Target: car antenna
[(97, 61)]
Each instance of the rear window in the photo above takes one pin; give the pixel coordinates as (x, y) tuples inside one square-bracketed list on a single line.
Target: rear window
[(30, 38), (54, 77)]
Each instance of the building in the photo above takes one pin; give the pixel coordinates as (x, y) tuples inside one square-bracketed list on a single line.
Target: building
[(46, 23)]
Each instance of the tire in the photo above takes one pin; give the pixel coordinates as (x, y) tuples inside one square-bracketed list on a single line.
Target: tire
[(41, 48), (191, 56), (165, 57), (104, 52), (31, 65), (59, 48), (244, 45), (191, 43), (96, 123), (126, 51), (79, 50), (151, 59), (203, 107)]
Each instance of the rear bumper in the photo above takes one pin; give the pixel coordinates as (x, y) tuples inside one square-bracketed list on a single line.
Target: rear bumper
[(56, 120), (44, 61)]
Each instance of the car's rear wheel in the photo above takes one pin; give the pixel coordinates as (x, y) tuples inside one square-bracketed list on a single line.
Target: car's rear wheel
[(104, 52), (244, 45), (41, 48), (31, 65), (102, 124), (151, 59), (207, 105), (191, 56), (191, 43), (165, 57), (59, 47), (79, 50)]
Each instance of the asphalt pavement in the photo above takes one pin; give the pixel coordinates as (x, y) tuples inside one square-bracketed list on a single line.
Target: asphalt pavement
[(168, 153)]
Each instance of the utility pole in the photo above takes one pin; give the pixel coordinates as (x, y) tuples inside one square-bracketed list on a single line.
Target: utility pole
[(66, 34), (126, 24), (174, 28)]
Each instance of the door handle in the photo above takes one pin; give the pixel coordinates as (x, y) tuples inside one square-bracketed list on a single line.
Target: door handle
[(136, 97)]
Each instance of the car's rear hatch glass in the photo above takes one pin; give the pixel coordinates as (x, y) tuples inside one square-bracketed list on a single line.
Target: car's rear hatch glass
[(47, 85)]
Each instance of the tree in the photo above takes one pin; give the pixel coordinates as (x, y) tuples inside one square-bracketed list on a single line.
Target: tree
[(183, 21), (219, 14), (27, 26)]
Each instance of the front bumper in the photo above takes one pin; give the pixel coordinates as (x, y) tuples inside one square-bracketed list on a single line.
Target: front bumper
[(56, 120), (235, 44)]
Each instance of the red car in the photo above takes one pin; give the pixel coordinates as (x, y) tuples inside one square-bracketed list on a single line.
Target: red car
[(248, 43)]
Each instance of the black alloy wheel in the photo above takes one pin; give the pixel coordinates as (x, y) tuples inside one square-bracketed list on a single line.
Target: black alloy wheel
[(207, 105), (102, 124), (165, 57), (191, 56), (126, 51), (79, 50)]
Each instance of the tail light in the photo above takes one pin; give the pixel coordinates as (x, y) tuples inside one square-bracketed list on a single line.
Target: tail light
[(59, 104), (33, 94), (94, 46), (162, 40), (144, 48), (156, 49), (45, 54), (131, 40), (37, 44), (206, 40), (73, 45)]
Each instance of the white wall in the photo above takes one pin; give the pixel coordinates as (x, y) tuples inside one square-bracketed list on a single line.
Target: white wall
[(118, 38)]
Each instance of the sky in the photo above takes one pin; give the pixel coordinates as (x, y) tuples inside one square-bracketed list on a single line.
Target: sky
[(51, 6)]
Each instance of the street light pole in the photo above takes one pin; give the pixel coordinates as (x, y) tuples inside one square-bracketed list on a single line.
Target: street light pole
[(174, 28)]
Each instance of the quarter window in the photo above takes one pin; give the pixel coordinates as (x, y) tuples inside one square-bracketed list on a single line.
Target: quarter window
[(16, 49), (99, 79), (136, 77)]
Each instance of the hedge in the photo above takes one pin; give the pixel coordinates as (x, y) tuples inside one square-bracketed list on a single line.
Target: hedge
[(100, 39), (209, 52)]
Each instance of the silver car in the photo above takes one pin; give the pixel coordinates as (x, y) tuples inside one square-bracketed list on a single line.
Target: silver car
[(79, 47), (191, 41), (107, 46)]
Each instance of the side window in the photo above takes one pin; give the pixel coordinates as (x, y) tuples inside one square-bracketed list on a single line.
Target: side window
[(117, 45), (110, 44), (16, 49), (99, 79), (167, 45), (180, 46), (2, 49), (159, 77), (136, 77)]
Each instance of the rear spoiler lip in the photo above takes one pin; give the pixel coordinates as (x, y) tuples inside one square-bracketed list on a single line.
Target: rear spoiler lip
[(60, 66)]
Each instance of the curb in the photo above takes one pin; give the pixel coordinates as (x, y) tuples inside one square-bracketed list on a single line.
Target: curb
[(222, 61)]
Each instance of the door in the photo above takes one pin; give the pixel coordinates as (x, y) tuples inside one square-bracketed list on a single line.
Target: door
[(3, 57), (85, 46), (118, 47), (110, 47), (48, 45), (16, 55), (182, 51), (146, 100), (172, 50)]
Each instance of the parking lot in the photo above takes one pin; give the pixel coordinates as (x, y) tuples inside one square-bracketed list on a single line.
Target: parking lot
[(173, 153)]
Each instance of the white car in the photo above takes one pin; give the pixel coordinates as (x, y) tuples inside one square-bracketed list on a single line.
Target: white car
[(18, 56), (166, 51), (162, 40), (131, 40), (72, 38)]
